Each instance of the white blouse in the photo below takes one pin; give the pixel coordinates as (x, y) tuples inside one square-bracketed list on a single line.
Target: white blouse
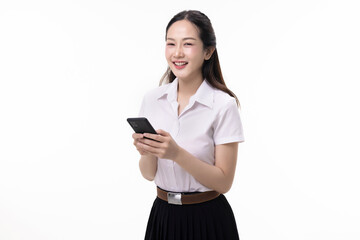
[(210, 118)]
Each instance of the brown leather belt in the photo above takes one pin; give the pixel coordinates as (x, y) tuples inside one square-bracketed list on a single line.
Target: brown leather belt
[(181, 198)]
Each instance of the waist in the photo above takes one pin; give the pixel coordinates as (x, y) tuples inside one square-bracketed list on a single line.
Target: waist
[(186, 198)]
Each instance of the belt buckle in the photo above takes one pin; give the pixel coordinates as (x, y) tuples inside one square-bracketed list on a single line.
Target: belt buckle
[(174, 198)]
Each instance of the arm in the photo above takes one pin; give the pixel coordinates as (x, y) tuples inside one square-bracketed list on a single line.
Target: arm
[(148, 162), (148, 166), (218, 177)]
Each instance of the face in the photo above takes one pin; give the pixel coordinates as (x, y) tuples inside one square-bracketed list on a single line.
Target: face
[(184, 51)]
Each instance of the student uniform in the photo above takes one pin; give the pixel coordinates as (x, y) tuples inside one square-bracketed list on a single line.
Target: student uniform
[(211, 118)]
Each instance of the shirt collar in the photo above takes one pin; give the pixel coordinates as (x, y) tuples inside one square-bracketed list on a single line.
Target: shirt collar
[(203, 95), (171, 91)]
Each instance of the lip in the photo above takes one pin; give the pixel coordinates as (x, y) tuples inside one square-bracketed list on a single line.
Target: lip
[(180, 66)]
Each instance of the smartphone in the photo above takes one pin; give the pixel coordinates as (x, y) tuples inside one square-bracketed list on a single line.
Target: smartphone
[(141, 125)]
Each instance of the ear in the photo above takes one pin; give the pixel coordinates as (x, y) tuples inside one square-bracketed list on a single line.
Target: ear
[(208, 52)]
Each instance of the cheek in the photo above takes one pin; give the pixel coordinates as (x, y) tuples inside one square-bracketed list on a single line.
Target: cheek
[(168, 53), (195, 53)]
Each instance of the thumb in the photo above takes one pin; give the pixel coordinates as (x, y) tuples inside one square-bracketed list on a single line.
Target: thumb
[(162, 132)]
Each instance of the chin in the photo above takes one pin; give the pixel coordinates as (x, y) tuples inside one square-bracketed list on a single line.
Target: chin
[(181, 76)]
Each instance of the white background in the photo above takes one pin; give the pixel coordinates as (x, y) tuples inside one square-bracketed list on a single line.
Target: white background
[(71, 72)]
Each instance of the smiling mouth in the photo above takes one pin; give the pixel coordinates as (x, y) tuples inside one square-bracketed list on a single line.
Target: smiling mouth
[(180, 65)]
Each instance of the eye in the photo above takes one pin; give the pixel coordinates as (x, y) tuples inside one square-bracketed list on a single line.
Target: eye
[(188, 44), (170, 44)]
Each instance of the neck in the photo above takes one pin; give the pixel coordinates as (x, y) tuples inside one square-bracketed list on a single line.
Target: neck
[(189, 88)]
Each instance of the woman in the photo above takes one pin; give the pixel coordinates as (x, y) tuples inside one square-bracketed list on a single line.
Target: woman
[(194, 156)]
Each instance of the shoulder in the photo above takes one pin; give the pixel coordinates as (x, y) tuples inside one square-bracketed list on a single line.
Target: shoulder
[(157, 92), (223, 101), (150, 99)]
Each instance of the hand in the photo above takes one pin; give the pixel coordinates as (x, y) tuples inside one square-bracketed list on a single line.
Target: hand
[(165, 147), (137, 137)]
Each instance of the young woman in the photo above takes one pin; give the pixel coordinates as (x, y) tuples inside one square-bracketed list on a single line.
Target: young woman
[(194, 156)]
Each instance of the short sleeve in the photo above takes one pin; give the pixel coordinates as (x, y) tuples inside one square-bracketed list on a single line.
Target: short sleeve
[(228, 127)]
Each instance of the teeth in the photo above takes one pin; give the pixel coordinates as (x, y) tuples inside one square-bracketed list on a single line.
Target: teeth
[(179, 63)]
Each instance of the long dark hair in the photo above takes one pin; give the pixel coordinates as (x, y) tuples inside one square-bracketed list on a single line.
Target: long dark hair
[(211, 68)]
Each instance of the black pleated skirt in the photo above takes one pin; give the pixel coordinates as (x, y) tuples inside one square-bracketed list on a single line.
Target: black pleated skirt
[(212, 220)]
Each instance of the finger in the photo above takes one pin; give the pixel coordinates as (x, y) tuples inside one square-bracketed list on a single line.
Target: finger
[(156, 137), (141, 150), (162, 132), (150, 142), (137, 135), (149, 149), (137, 146), (141, 146), (137, 140)]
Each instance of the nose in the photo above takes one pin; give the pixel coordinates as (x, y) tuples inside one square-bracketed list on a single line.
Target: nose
[(179, 51)]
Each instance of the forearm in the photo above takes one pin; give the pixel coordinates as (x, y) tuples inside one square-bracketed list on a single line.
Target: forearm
[(218, 177), (148, 166), (208, 175)]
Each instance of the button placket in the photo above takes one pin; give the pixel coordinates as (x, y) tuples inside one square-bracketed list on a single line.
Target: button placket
[(174, 130)]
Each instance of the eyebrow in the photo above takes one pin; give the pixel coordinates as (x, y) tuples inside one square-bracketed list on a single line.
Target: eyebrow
[(187, 38)]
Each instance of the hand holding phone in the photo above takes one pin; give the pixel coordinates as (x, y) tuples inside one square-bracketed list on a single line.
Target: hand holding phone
[(141, 125), (168, 150)]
